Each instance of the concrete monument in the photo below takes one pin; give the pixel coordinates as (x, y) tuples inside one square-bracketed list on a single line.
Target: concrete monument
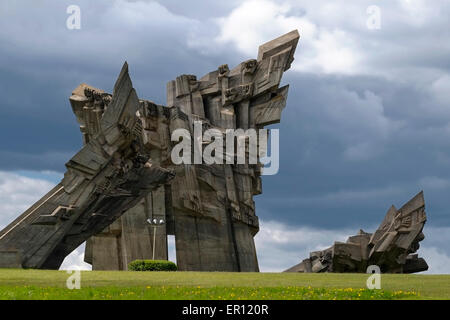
[(124, 174), (392, 247), (209, 208)]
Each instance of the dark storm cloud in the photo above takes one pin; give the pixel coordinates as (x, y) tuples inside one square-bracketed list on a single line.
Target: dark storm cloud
[(42, 62), (358, 134), (356, 145)]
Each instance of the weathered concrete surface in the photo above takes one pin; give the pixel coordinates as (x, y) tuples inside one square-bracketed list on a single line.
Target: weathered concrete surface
[(209, 208), (108, 176), (392, 247)]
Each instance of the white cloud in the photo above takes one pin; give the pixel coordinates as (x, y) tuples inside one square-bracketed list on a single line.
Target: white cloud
[(437, 260), (257, 21), (335, 37), (334, 52), (247, 26), (17, 193), (75, 260), (418, 12), (280, 247)]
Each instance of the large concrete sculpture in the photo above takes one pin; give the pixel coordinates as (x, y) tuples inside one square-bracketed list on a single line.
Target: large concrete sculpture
[(392, 247), (209, 208), (125, 170)]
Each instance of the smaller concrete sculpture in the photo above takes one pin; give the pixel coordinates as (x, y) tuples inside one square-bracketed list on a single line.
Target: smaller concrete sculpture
[(392, 247)]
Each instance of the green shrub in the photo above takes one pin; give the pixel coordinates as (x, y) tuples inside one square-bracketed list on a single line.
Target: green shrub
[(152, 265)]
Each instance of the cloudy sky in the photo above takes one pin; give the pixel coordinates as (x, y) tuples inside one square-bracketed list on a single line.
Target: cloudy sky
[(367, 122)]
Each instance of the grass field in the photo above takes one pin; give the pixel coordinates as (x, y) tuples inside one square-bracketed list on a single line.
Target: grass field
[(42, 284)]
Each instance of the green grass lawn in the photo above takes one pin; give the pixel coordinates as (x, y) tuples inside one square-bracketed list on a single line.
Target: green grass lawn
[(43, 284)]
